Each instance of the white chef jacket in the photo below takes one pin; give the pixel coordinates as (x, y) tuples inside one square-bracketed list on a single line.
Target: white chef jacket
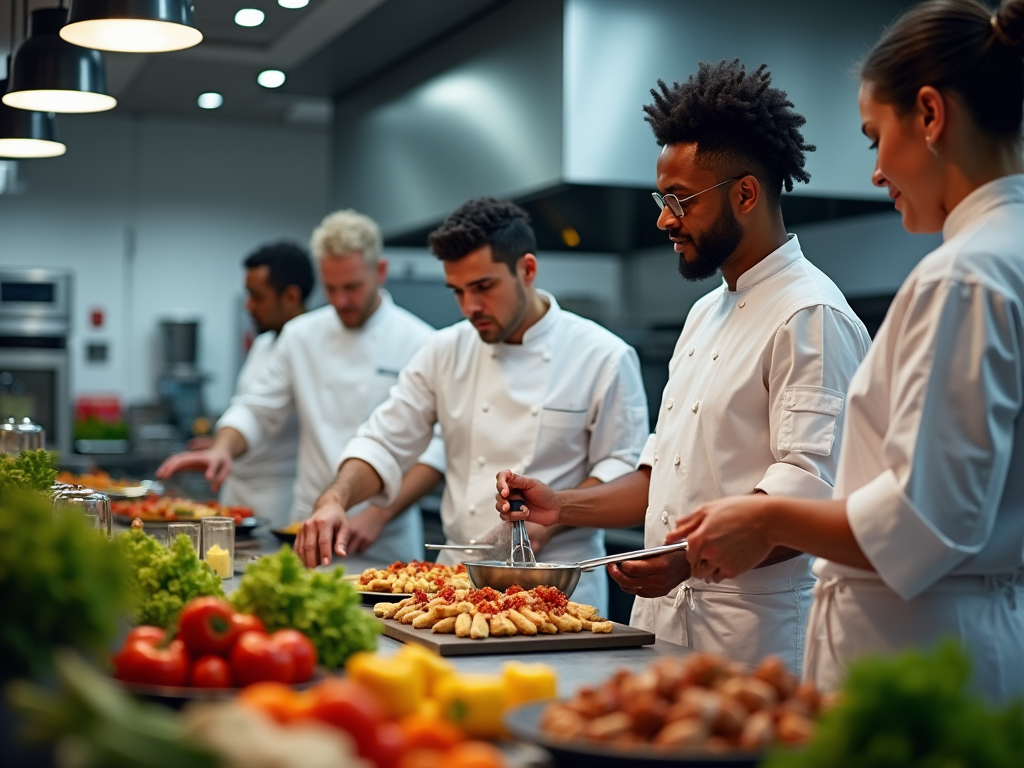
[(566, 404), (262, 478), (756, 384), (932, 463), (332, 377)]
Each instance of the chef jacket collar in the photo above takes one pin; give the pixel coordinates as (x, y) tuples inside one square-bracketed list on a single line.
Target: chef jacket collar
[(1007, 189), (546, 323), (770, 265)]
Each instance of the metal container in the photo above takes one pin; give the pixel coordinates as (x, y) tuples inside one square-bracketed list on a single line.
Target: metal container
[(500, 575), (181, 345)]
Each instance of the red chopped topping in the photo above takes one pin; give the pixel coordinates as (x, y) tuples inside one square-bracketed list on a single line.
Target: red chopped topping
[(514, 589), (448, 593), (420, 596)]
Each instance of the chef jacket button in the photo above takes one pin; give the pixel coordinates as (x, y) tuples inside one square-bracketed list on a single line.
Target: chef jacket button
[(486, 408), (655, 457), (677, 460), (669, 404), (742, 304), (695, 406), (547, 357), (472, 509), (714, 354), (691, 350), (534, 410), (647, 513), (494, 352), (664, 517), (482, 460)]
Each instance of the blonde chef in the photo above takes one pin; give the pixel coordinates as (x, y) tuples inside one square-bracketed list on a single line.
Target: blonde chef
[(758, 376), (331, 367), (522, 382), (925, 537)]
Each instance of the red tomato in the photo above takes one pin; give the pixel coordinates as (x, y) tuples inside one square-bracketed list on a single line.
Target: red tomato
[(257, 658), (390, 744), (302, 651), (247, 622), (205, 626), (350, 707), (141, 661), (210, 672), (156, 634)]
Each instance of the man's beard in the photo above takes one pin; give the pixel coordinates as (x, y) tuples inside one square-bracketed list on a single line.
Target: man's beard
[(502, 332), (713, 247)]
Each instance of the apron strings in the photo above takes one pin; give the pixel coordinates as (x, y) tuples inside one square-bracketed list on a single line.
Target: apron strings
[(824, 602)]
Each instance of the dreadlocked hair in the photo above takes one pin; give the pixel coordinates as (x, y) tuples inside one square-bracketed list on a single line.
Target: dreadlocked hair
[(739, 123)]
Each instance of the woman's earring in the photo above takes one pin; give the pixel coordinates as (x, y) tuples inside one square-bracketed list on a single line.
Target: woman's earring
[(931, 147)]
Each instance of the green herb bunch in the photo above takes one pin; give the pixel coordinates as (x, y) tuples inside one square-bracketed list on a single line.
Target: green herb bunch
[(164, 580), (61, 584), (285, 595), (912, 710), (28, 471)]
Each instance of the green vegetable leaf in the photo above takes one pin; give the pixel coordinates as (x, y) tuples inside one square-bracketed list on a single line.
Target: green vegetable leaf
[(285, 595)]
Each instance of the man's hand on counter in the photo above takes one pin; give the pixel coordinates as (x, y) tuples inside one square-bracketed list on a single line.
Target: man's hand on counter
[(653, 576), (214, 463), (327, 527), (541, 505)]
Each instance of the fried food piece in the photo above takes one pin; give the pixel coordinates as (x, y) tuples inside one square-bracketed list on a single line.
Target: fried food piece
[(446, 626), (463, 624), (427, 620), (522, 624), (480, 628), (410, 617)]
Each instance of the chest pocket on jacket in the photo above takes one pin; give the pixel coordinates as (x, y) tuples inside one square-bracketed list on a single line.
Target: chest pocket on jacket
[(808, 423), (552, 418)]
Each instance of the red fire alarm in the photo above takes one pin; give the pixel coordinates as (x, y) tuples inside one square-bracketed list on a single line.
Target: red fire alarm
[(96, 317)]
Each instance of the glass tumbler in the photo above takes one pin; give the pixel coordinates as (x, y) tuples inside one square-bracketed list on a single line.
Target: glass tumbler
[(85, 501), (218, 545), (188, 529)]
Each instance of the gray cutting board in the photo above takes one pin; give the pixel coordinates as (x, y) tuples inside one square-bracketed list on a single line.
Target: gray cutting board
[(621, 636)]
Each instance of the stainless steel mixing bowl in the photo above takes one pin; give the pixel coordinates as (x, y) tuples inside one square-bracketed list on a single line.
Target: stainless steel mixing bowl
[(499, 575)]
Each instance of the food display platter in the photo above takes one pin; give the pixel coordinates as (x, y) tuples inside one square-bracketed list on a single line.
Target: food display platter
[(177, 697), (621, 636), (243, 529), (524, 724), (372, 598)]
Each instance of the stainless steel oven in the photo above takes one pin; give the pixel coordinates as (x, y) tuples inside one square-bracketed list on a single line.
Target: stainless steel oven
[(35, 321)]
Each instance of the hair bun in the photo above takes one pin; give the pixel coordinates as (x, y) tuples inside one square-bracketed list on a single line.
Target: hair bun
[(1008, 23)]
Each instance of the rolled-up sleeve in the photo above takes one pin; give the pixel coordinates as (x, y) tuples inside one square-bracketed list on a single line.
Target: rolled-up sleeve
[(948, 445), (400, 430), (619, 422), (813, 358), (263, 408)]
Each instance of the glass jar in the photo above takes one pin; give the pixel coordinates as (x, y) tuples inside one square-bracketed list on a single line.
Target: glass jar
[(85, 501), (218, 545), (192, 530), (17, 435)]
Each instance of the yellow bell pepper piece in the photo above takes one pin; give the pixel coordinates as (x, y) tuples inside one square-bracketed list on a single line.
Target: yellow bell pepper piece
[(397, 681), (475, 703), (429, 664), (529, 682)]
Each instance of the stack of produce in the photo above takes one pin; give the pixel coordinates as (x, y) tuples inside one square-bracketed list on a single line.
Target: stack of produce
[(284, 594), (163, 580), (214, 647), (28, 471)]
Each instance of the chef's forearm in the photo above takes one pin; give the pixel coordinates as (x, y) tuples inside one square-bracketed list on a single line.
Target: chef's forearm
[(355, 482), (417, 482), (819, 528), (230, 440), (621, 503)]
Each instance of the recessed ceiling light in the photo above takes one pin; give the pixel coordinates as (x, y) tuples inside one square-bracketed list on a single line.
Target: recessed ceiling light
[(249, 17), (271, 78), (293, 3), (210, 100)]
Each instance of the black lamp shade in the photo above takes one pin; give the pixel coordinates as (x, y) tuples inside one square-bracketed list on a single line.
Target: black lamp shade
[(133, 26), (49, 74), (25, 134)]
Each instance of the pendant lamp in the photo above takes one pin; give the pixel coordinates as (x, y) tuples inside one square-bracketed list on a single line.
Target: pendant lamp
[(132, 26), (25, 134), (49, 74)]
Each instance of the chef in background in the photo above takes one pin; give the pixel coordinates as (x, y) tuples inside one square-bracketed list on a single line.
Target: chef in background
[(330, 368), (278, 280), (756, 382), (520, 382)]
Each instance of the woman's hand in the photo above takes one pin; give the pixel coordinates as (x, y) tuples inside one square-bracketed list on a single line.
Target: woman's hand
[(726, 538)]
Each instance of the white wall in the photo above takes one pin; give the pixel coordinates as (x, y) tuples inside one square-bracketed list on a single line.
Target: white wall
[(864, 255), (154, 216)]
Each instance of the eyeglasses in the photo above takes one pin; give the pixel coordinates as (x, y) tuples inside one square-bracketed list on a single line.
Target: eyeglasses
[(676, 205)]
